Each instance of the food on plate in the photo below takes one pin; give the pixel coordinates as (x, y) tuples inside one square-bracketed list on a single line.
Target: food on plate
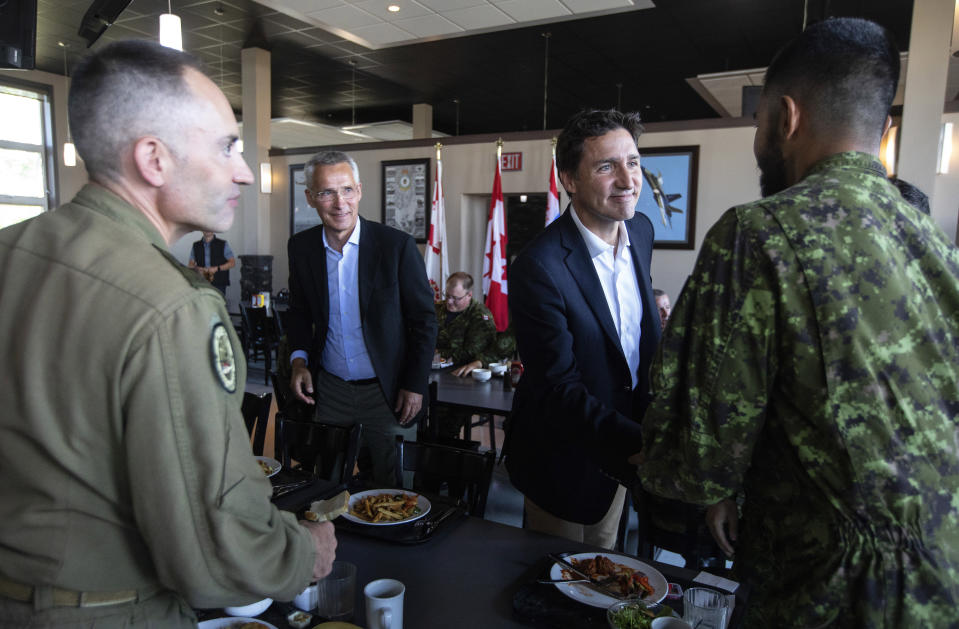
[(265, 467), (386, 507), (614, 576), (249, 625), (324, 510), (299, 620), (628, 615)]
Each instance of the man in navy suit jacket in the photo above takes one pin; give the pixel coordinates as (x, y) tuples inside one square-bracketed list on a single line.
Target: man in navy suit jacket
[(582, 305), (361, 317)]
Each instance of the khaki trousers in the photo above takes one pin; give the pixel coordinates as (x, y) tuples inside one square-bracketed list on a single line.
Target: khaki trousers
[(162, 610), (602, 534)]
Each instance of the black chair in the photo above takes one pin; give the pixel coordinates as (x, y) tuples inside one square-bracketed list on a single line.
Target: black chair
[(467, 474), (324, 450), (256, 414), (259, 336), (678, 527)]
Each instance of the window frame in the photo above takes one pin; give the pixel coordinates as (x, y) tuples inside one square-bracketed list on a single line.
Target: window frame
[(46, 149)]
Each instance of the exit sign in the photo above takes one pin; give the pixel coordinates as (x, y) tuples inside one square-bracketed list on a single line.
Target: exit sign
[(512, 161)]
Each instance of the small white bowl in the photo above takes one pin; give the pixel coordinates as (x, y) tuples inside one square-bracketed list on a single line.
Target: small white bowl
[(498, 369), (482, 375), (253, 609)]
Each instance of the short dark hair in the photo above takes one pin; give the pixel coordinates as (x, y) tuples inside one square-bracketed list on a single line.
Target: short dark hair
[(591, 123), (123, 92), (844, 71), (658, 292), (463, 279)]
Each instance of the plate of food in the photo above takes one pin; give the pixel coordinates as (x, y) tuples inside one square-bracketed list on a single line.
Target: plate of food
[(269, 466), (386, 507), (626, 576), (235, 623)]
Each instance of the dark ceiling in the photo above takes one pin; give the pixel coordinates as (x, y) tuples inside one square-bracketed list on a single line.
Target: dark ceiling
[(488, 83)]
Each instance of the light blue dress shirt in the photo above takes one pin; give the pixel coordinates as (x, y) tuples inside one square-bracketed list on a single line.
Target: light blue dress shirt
[(344, 353)]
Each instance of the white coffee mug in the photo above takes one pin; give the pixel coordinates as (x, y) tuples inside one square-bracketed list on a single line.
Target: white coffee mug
[(306, 600), (384, 604)]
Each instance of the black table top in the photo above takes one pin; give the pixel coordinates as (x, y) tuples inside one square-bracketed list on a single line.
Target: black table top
[(486, 396), (468, 574)]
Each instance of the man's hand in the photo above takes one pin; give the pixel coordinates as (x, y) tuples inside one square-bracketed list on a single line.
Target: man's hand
[(301, 382), (467, 369), (720, 515), (324, 542), (408, 404)]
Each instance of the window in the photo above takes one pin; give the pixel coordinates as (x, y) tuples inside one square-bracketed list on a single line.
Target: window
[(26, 165)]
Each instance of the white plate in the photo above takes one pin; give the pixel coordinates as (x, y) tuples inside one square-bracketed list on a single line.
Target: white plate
[(421, 502), (231, 621), (275, 465), (584, 594)]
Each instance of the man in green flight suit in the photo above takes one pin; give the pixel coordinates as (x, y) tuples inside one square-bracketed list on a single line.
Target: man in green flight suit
[(811, 365), (467, 338), (128, 490)]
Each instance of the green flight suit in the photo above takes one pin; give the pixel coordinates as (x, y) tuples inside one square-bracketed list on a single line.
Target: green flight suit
[(812, 365), (470, 336), (124, 460)]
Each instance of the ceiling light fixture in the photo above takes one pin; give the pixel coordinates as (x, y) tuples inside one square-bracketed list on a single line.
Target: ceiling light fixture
[(393, 8), (69, 150), (171, 35)]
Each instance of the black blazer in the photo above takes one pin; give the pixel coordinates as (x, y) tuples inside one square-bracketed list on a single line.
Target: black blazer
[(575, 414), (396, 305)]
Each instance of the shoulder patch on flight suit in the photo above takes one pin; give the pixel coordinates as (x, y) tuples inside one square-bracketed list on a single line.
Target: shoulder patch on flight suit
[(221, 353), (191, 276)]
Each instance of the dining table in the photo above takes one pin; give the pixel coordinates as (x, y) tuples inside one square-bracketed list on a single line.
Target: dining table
[(470, 572), (483, 397)]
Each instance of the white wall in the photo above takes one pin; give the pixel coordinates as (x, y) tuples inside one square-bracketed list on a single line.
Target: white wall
[(945, 200)]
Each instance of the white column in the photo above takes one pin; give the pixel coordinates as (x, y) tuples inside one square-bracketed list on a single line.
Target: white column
[(422, 120), (925, 92), (255, 73)]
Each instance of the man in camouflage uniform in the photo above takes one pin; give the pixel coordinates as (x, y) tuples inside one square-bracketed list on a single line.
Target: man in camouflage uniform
[(467, 337), (128, 490), (811, 364)]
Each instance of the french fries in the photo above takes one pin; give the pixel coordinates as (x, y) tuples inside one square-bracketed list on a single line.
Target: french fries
[(386, 507)]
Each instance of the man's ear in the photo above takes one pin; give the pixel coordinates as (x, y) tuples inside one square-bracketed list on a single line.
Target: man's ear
[(568, 183), (790, 116), (152, 160)]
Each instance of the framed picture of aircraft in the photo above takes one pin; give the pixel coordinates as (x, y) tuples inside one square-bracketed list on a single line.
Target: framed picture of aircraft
[(668, 196)]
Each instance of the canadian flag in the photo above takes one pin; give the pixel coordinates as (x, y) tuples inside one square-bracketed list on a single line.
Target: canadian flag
[(437, 260), (494, 264), (552, 197)]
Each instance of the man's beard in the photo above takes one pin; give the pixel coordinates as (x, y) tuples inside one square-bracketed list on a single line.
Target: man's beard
[(772, 170)]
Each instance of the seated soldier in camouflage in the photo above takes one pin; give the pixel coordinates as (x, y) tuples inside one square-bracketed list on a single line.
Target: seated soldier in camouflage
[(467, 337)]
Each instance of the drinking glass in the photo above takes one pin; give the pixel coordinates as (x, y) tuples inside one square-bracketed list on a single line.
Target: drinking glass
[(335, 592), (704, 608)]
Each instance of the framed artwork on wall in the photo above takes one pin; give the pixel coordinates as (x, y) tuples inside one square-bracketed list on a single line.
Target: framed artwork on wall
[(406, 189), (302, 215), (668, 196)]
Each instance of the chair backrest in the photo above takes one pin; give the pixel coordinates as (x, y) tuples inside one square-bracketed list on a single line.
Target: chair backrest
[(466, 473), (326, 450), (256, 415), (255, 320)]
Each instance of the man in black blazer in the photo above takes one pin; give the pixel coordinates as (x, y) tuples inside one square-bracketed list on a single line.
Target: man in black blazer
[(361, 317), (581, 302)]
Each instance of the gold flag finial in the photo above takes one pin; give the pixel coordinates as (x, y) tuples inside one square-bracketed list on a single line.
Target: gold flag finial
[(439, 149)]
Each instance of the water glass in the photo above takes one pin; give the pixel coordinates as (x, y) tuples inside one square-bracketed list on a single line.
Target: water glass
[(704, 608), (335, 593)]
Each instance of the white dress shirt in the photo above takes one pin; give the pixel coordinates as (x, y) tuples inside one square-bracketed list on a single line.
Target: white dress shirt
[(617, 275)]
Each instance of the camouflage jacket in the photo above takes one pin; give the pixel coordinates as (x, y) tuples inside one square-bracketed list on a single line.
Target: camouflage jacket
[(811, 365), (470, 336)]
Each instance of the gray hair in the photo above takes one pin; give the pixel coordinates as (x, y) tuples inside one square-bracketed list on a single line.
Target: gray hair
[(329, 158), (123, 92)]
